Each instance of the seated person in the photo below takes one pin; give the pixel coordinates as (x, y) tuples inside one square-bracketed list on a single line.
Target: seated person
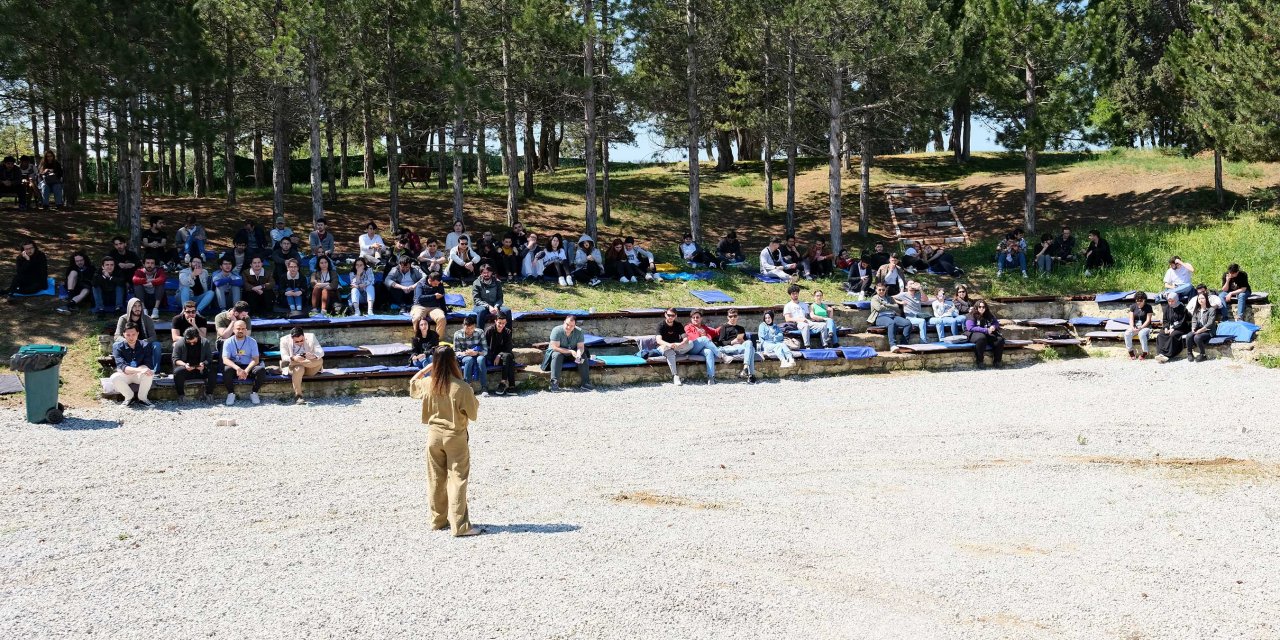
[(188, 318), (469, 344), (945, 314), (1044, 254), (324, 287), (1064, 246), (941, 261), (362, 286), (912, 301), (507, 259), (464, 262), (126, 260), (253, 239), (133, 366), (227, 284), (588, 264), (1204, 321), (372, 247), (148, 285), (1012, 253), (672, 342), (694, 254), (890, 275), (729, 251), (136, 314), (300, 355), (320, 241), (282, 254), (703, 338), (792, 252), (224, 323), (486, 296), (241, 360), (797, 313), (499, 351), (410, 241), (616, 264), (913, 258), (259, 288), (451, 240), (77, 281), (878, 257), (195, 284), (31, 271), (773, 341), (530, 256), (193, 358), (189, 240), (962, 301), (392, 257), (1176, 324), (1235, 291), (884, 313), (11, 182), (487, 247), (108, 288), (773, 264), (425, 340), (432, 258), (819, 262), (1140, 318), (821, 312), (279, 232), (555, 260), (155, 244), (1098, 254), (641, 258), (238, 255), (568, 343), (732, 341), (844, 260), (1215, 302), (30, 179), (860, 279), (984, 332), (431, 304), (293, 287), (404, 285), (1177, 278)]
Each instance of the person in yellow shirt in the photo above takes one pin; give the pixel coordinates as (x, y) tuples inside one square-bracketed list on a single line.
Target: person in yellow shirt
[(448, 405)]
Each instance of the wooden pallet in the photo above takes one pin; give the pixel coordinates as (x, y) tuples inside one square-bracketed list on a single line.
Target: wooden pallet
[(924, 213)]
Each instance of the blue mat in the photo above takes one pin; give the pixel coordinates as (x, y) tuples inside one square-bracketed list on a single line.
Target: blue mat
[(1113, 296), (769, 278), (567, 312), (620, 361), (267, 323), (711, 296), (817, 354), (858, 304), (48, 291), (857, 353), (1238, 331), (454, 300), (686, 276), (377, 317), (1088, 321)]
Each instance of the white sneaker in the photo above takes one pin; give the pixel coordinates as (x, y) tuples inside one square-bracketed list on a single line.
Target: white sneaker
[(676, 380), (1024, 274), (231, 399), (560, 281), (787, 364), (726, 358), (648, 276), (127, 401), (568, 280), (253, 397), (155, 314)]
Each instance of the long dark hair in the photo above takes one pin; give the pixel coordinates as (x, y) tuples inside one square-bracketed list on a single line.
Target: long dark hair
[(444, 369), (986, 317), (88, 266)]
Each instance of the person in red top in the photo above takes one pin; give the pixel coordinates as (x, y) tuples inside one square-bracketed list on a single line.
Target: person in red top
[(703, 339), (148, 286)]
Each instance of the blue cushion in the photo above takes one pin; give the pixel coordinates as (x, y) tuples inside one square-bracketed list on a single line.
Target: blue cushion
[(47, 291), (857, 353), (620, 361), (1088, 321), (858, 304), (818, 354), (771, 279), (1113, 296), (1238, 331), (567, 312), (711, 296), (454, 300)]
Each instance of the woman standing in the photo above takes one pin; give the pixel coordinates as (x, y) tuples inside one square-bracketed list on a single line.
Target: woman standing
[(50, 180), (448, 405)]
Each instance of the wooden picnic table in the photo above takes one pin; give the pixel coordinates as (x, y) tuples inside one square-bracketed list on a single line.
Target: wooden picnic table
[(411, 173)]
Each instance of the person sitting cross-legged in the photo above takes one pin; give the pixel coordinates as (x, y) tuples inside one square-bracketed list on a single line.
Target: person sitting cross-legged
[(1140, 317), (703, 339), (568, 343), (499, 350), (132, 357), (469, 344), (729, 251), (984, 331), (193, 358), (1176, 324), (404, 283), (672, 341), (773, 264), (300, 355), (797, 313), (486, 295), (773, 341), (884, 313), (732, 341), (241, 360)]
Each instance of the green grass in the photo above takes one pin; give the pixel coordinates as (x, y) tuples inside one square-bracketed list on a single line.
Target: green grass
[(1270, 362)]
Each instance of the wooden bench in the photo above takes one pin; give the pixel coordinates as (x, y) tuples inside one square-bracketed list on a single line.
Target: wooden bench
[(413, 173)]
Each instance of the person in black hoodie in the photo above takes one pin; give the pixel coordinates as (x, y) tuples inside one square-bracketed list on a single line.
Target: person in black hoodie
[(108, 288), (1098, 254), (32, 272), (1176, 325), (500, 344), (11, 182)]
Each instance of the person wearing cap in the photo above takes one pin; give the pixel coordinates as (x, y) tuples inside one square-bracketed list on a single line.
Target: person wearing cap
[(464, 262), (11, 182), (404, 284), (280, 232), (1175, 325), (371, 245), (471, 348), (733, 341), (300, 355), (486, 296)]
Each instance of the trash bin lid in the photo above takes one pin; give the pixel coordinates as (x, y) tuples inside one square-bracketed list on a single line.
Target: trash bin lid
[(37, 357), (33, 349)]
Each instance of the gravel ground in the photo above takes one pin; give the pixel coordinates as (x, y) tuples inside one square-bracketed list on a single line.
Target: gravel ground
[(1059, 501)]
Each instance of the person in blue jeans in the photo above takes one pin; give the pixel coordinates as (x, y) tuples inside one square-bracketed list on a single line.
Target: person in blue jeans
[(884, 313), (1235, 290), (190, 239), (108, 285), (195, 283), (50, 180), (1011, 253), (469, 344), (733, 340), (703, 339)]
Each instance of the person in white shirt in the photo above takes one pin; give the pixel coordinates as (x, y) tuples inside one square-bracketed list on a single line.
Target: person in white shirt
[(371, 245), (459, 232), (945, 314), (694, 254), (555, 260), (797, 313), (300, 355), (1177, 279), (772, 263), (464, 263), (1215, 302)]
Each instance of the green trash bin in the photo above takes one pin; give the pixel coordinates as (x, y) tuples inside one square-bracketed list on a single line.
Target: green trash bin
[(39, 365)]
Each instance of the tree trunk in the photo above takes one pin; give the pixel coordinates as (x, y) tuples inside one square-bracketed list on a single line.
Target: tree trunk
[(162, 167), (368, 143), (482, 153), (82, 127), (691, 76), (511, 166), (99, 176), (441, 147), (208, 161), (331, 170), (589, 113), (606, 55), (121, 143), (530, 157), (459, 105), (134, 182), (342, 152), (724, 145), (229, 127), (175, 182), (864, 188), (791, 132), (545, 132), (44, 112), (313, 120), (1219, 193), (393, 130), (35, 124), (280, 183), (1029, 152), (259, 167), (834, 110), (764, 109), (197, 147), (968, 125)]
